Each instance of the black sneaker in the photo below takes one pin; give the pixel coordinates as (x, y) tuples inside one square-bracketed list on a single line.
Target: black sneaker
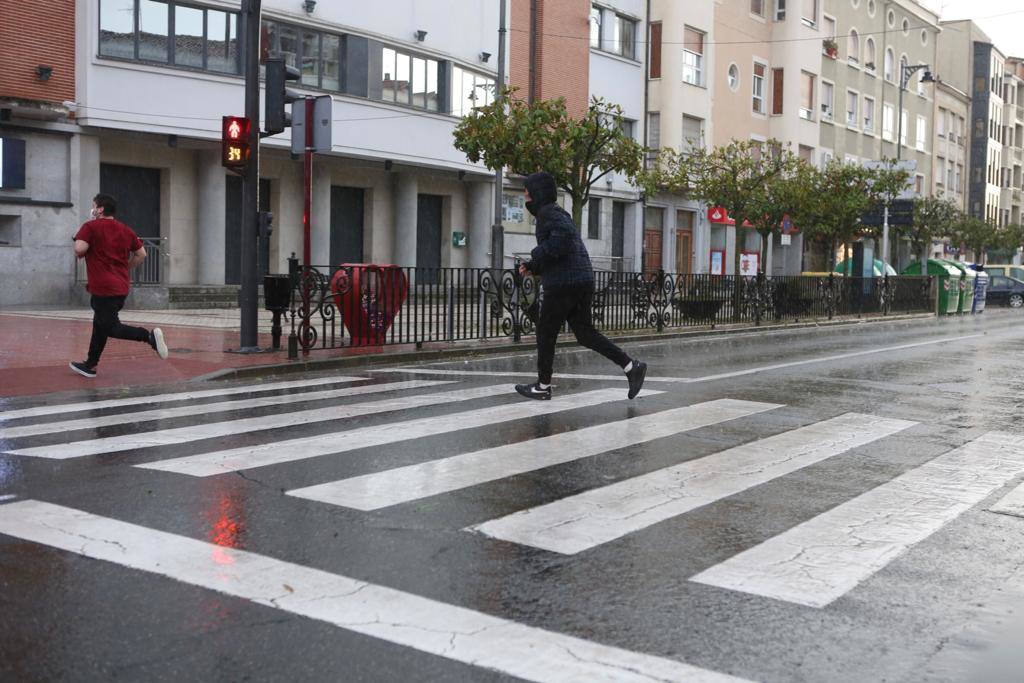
[(534, 391), (156, 340), (82, 369), (636, 377)]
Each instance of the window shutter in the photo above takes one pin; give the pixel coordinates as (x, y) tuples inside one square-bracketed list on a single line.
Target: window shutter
[(777, 82), (654, 68)]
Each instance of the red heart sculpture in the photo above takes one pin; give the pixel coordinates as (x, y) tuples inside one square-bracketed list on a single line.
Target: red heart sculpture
[(369, 296)]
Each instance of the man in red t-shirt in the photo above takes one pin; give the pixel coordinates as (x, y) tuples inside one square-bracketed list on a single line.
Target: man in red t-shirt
[(110, 250)]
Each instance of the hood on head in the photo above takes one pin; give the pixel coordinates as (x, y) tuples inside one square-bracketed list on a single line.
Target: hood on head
[(542, 188)]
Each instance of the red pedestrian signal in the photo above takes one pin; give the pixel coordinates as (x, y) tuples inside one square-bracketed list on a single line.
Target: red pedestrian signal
[(234, 141)]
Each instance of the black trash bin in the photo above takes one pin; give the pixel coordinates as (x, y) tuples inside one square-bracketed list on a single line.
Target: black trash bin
[(277, 298)]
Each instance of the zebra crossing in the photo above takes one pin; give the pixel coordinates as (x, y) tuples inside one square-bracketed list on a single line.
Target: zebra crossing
[(812, 564)]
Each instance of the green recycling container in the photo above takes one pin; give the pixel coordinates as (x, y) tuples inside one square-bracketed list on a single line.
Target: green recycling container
[(948, 283), (967, 276)]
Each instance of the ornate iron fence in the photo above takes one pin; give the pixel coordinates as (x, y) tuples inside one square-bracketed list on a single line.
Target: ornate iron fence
[(333, 306)]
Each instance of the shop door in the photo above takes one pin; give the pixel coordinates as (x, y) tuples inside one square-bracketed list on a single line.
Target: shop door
[(618, 234), (684, 242), (428, 238), (346, 225), (652, 251)]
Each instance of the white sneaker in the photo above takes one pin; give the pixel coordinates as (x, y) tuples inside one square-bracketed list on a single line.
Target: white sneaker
[(157, 342)]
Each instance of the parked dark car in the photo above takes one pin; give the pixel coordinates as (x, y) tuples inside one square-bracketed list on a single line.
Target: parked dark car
[(1005, 290)]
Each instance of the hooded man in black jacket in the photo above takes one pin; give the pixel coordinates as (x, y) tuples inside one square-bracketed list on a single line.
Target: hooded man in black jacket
[(561, 259)]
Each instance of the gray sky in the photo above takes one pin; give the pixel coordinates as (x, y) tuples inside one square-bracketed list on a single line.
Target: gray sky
[(1006, 31)]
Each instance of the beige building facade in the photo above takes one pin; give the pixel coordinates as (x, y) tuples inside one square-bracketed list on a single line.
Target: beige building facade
[(950, 144)]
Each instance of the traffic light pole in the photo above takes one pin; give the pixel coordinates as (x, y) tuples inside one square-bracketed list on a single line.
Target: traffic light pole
[(307, 184), (248, 300), (498, 229)]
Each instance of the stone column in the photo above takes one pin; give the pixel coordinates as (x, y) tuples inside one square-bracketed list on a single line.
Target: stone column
[(288, 218), (480, 217), (406, 199), (211, 203)]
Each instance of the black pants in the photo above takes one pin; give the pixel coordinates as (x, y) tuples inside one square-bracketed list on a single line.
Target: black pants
[(105, 323), (570, 304)]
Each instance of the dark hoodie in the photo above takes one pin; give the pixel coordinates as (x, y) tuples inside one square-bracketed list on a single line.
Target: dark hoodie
[(560, 256)]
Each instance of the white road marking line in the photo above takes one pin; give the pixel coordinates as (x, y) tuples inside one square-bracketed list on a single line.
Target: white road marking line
[(450, 631), (532, 375), (1012, 503), (589, 519), (165, 398), (822, 559), (179, 435), (684, 380), (208, 408), (391, 487), (220, 462)]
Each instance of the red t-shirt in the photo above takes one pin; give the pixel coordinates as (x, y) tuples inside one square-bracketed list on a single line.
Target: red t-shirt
[(110, 244)]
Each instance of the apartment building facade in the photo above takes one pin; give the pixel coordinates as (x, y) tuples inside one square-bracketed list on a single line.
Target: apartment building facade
[(153, 78), (950, 144), (681, 84), (969, 61), (1013, 142), (42, 182), (768, 66)]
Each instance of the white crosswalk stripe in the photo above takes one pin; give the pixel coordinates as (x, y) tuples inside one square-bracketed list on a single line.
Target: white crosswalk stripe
[(589, 519), (391, 487), (65, 408), (1012, 503), (451, 631), (179, 435), (822, 559), (207, 408), (231, 460)]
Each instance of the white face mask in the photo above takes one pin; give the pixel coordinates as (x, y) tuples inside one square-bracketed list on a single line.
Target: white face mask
[(95, 213)]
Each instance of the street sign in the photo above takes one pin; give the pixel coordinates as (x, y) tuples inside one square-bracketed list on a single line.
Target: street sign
[(322, 124), (234, 142), (459, 239), (901, 212), (785, 240)]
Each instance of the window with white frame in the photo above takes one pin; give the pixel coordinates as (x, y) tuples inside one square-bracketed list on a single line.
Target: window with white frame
[(940, 170), (853, 46), (903, 128), (825, 158), (757, 7), (780, 10), (852, 107), (869, 54), (653, 135), (693, 56), (950, 178), (888, 122), (918, 184), (757, 87), (595, 27), (624, 37), (868, 107), (827, 100), (806, 96), (809, 13), (693, 134), (940, 123), (889, 66), (828, 26), (921, 130)]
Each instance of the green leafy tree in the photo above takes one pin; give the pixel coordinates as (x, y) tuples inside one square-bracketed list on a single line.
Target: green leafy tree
[(1011, 238), (841, 194), (781, 196), (934, 217), (737, 177), (975, 234), (888, 184), (542, 136)]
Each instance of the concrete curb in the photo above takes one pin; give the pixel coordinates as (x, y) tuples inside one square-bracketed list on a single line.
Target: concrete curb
[(405, 357)]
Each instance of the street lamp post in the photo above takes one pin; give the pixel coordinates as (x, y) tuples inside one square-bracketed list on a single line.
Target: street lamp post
[(905, 71)]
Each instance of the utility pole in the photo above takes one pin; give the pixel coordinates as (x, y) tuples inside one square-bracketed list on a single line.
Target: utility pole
[(498, 230), (251, 16)]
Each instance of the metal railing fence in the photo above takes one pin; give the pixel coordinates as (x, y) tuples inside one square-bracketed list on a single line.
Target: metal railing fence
[(149, 272), (332, 307)]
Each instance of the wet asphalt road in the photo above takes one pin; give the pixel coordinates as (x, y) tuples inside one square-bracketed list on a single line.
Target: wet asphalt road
[(945, 602)]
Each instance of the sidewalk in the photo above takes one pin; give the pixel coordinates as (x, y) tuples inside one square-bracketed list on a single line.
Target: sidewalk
[(36, 346)]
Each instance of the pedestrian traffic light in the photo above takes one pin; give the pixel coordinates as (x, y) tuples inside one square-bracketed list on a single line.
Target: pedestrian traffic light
[(234, 142), (278, 95)]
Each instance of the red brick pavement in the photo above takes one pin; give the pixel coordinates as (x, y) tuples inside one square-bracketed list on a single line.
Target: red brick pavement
[(34, 355)]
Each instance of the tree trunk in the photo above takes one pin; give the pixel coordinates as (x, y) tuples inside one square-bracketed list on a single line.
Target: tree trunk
[(577, 212)]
